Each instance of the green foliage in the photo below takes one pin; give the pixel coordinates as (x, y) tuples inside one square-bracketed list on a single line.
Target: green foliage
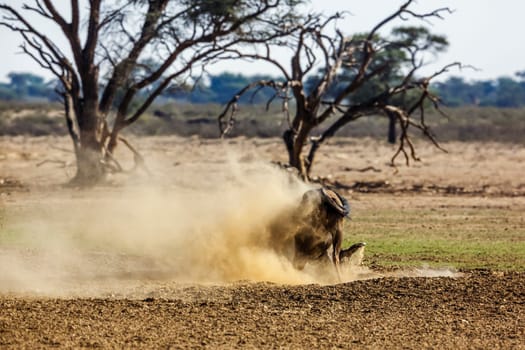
[(228, 11), (465, 123), (214, 10), (390, 64), (222, 87), (455, 91), (419, 38), (7, 94), (504, 92), (26, 86)]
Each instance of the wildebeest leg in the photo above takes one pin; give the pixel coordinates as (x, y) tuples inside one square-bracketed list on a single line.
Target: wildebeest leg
[(338, 272), (298, 261), (336, 245), (346, 254)]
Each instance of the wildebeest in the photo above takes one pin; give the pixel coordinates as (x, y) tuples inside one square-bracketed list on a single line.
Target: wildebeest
[(313, 231)]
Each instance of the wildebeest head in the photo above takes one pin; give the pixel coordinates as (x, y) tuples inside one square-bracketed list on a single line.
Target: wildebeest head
[(331, 201), (334, 201)]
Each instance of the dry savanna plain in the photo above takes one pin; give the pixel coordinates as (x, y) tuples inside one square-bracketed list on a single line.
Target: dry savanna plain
[(175, 255)]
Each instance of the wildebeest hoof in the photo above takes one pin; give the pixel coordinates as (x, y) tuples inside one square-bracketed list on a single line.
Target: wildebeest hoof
[(353, 254)]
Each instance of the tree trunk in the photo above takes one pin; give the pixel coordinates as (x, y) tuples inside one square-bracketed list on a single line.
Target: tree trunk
[(90, 166), (288, 138), (295, 142), (311, 155), (90, 151), (392, 128)]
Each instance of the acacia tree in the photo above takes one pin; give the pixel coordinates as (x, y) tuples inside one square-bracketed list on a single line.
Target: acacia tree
[(345, 67), (102, 70), (393, 64)]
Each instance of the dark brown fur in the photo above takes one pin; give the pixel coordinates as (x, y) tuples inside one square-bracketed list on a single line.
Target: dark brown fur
[(313, 229), (320, 231)]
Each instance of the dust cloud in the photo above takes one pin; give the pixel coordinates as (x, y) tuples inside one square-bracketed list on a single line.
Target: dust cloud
[(138, 238), (211, 231)]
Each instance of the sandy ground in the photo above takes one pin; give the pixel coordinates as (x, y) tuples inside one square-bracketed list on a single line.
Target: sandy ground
[(480, 311), (477, 168), (62, 285)]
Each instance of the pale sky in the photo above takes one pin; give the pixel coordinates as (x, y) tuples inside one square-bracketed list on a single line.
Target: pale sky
[(482, 33)]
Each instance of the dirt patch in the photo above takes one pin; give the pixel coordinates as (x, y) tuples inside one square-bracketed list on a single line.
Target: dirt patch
[(480, 310), (10, 184), (103, 268), (475, 167)]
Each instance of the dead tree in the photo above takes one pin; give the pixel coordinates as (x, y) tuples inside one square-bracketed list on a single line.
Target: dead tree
[(102, 70), (330, 102)]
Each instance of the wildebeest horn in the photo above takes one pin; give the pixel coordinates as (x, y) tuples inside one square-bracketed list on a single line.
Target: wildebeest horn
[(336, 201)]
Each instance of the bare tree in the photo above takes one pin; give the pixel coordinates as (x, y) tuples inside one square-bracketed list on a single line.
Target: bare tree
[(102, 69), (332, 99)]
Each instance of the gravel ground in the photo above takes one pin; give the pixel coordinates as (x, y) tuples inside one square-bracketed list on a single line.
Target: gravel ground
[(480, 310)]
